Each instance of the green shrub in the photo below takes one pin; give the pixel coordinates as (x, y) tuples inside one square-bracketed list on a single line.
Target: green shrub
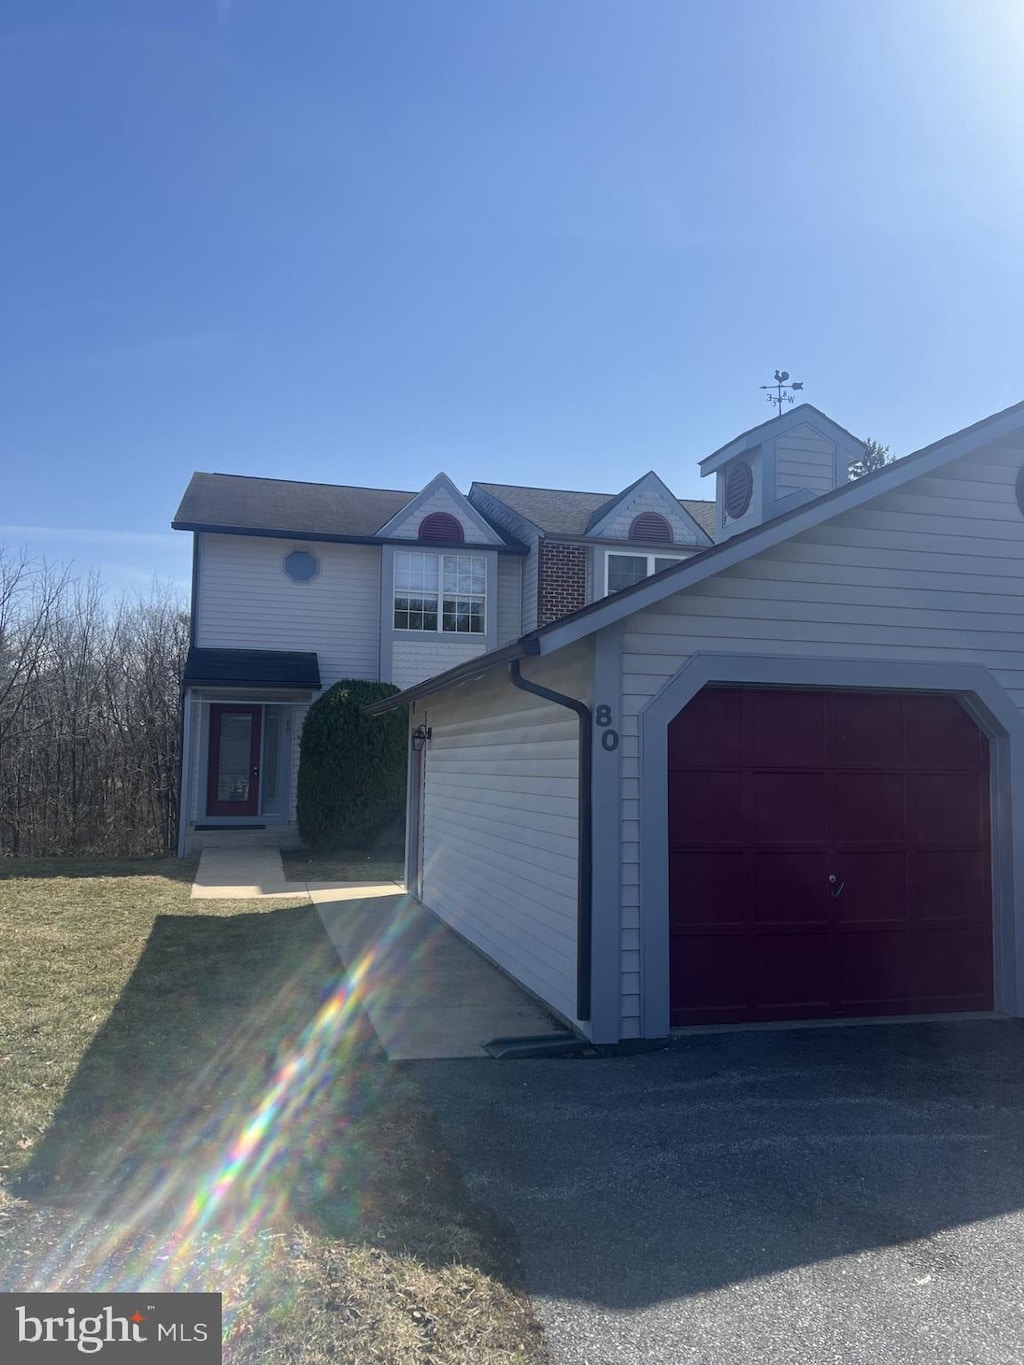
[(352, 770)]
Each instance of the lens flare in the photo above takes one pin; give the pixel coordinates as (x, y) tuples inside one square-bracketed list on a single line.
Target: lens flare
[(204, 1206)]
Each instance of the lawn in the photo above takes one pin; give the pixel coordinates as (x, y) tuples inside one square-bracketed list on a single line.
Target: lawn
[(304, 865), (191, 1098)]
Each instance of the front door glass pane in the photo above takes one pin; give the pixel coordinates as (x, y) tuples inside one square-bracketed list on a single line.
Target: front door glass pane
[(234, 767)]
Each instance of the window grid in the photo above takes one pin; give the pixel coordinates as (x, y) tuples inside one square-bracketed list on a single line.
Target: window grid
[(622, 571), (437, 592)]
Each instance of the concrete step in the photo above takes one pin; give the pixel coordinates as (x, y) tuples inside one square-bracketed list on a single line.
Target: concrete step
[(273, 836)]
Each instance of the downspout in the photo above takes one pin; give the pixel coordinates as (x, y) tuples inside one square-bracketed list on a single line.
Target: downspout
[(584, 869)]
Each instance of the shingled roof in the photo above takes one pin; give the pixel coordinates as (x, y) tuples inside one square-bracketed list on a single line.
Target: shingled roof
[(561, 512), (238, 502), (328, 511)]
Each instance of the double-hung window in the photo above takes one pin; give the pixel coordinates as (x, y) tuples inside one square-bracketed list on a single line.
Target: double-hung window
[(440, 592), (622, 571)]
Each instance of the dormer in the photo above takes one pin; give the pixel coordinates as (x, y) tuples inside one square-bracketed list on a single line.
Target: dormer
[(777, 466), (647, 512), (440, 515)]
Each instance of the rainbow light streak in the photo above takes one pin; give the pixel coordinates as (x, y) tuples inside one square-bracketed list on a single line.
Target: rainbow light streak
[(235, 1200)]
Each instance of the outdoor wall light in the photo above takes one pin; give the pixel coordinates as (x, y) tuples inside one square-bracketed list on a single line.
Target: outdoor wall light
[(419, 737)]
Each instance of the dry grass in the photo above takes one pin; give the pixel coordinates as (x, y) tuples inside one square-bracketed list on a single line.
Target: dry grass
[(304, 866), (142, 1033)]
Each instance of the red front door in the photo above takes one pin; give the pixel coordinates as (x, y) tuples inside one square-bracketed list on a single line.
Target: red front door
[(829, 856), (233, 775)]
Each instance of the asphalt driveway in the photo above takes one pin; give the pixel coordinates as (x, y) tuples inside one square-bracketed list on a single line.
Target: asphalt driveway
[(848, 1195)]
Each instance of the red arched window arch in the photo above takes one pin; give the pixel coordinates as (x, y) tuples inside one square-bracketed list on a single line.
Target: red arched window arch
[(651, 527), (442, 528)]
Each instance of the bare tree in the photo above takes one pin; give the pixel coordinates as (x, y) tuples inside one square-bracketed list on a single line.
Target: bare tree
[(89, 715)]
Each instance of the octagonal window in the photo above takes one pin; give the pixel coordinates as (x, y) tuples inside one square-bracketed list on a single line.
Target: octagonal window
[(301, 566)]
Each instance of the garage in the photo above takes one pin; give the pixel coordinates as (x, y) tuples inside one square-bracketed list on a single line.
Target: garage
[(829, 856), (782, 779)]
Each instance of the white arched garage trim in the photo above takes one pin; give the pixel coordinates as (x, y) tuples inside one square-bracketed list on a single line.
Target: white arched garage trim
[(999, 718)]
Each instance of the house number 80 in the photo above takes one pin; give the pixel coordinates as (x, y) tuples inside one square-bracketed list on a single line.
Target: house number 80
[(603, 719)]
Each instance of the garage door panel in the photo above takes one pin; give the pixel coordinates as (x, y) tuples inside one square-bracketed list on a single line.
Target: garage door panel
[(709, 731), (873, 971), (786, 807), (946, 807), (791, 971), (786, 888), (871, 886), (867, 808), (864, 730), (888, 794), (713, 973), (708, 887), (940, 734), (786, 729), (952, 963), (707, 807), (949, 883)]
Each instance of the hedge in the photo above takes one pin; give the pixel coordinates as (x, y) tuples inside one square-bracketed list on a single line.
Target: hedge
[(352, 770)]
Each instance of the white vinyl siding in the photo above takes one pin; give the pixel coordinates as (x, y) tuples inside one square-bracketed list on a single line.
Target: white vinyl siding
[(500, 808), (196, 791), (531, 581), (412, 660), (247, 601), (804, 459), (933, 572), (510, 598)]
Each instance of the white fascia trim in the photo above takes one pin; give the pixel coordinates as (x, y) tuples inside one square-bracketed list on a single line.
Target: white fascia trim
[(773, 533)]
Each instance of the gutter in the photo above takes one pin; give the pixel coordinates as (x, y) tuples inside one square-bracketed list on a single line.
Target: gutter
[(278, 533), (584, 867)]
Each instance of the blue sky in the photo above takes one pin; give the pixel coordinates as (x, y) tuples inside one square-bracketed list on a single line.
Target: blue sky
[(540, 241)]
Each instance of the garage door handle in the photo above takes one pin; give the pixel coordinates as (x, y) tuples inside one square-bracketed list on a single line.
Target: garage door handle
[(837, 886)]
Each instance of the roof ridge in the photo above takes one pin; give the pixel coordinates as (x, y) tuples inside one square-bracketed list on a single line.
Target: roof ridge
[(308, 483), (538, 488)]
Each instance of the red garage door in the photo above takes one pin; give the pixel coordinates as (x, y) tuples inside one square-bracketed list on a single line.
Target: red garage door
[(829, 856)]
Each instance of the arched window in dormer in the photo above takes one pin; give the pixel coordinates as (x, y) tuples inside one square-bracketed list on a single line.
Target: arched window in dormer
[(652, 528), (442, 528)]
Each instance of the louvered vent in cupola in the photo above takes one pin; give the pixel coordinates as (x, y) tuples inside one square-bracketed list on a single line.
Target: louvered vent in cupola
[(442, 528), (739, 488), (652, 528)]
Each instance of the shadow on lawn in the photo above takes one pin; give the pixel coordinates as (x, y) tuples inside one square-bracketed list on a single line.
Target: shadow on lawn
[(236, 1082)]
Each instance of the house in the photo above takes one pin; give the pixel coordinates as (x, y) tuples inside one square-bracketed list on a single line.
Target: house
[(295, 585), (781, 779)]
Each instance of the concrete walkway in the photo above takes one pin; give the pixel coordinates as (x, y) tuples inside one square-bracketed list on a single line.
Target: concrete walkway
[(256, 873), (428, 993)]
